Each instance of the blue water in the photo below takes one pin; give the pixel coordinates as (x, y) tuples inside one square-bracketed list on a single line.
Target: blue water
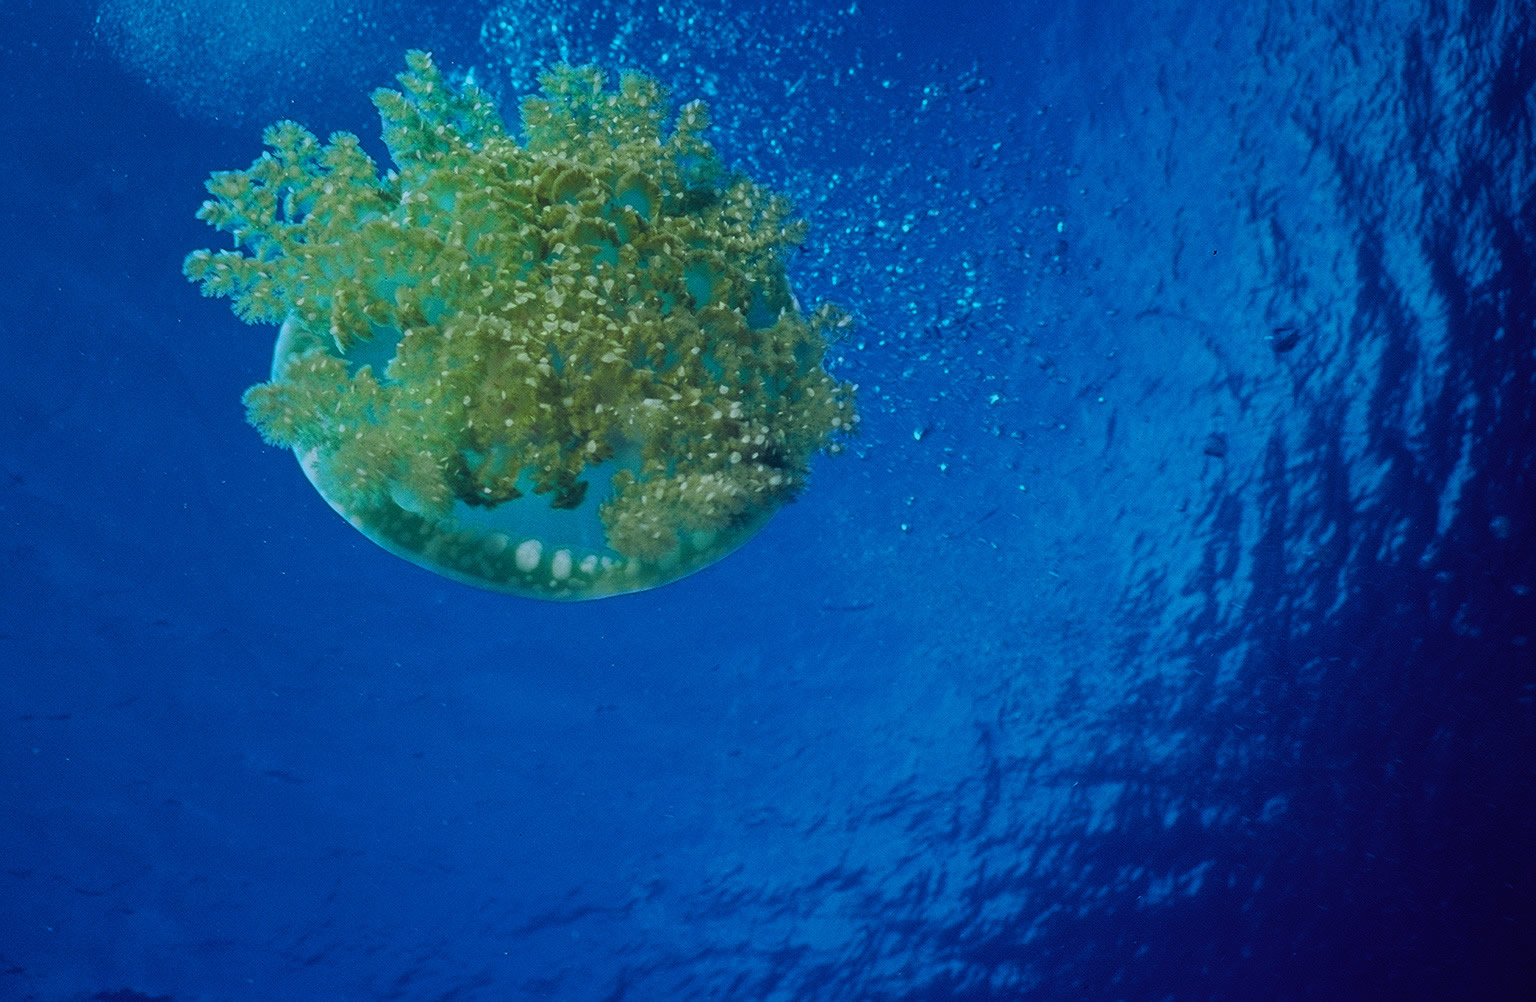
[(1166, 633)]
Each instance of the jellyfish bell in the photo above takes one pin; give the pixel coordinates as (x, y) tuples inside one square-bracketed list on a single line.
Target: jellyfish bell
[(565, 368), (524, 544)]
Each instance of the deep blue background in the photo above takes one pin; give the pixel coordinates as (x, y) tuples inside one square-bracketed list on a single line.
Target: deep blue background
[(1167, 633)]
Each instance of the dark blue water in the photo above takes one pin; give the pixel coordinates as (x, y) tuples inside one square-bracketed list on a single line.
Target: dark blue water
[(1167, 632)]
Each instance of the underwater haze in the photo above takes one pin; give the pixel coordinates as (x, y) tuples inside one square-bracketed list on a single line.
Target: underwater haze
[(1165, 630)]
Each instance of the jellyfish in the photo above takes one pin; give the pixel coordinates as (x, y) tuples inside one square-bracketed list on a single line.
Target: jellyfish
[(565, 366)]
